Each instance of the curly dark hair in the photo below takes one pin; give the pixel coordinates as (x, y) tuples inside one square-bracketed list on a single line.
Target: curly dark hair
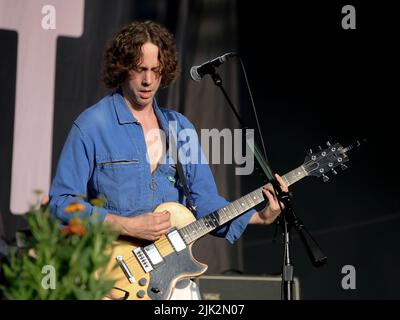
[(124, 52)]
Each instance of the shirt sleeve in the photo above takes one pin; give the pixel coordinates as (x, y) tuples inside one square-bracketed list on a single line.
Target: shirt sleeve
[(74, 170), (204, 191)]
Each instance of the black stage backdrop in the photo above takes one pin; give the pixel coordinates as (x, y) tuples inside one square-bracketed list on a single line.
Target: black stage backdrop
[(312, 81)]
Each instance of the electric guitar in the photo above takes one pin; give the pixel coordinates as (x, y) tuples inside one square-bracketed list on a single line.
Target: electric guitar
[(149, 270)]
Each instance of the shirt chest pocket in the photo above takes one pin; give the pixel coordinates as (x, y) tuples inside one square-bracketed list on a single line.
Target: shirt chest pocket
[(119, 180)]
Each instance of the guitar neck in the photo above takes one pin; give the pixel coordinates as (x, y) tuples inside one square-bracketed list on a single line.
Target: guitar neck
[(208, 223)]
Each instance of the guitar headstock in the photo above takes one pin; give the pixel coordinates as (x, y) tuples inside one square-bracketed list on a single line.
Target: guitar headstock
[(326, 160)]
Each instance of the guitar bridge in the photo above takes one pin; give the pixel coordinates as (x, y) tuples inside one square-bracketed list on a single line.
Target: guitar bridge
[(143, 260)]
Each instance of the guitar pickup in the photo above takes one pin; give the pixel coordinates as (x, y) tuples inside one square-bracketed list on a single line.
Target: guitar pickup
[(153, 254), (176, 240), (125, 269)]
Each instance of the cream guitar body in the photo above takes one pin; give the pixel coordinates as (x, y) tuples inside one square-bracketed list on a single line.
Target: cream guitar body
[(169, 264)]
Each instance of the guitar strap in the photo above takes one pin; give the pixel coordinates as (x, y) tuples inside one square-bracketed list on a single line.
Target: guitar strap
[(179, 169)]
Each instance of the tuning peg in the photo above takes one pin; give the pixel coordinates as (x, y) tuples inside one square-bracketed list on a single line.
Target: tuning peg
[(325, 178), (319, 148), (343, 166), (334, 171), (309, 151), (328, 143)]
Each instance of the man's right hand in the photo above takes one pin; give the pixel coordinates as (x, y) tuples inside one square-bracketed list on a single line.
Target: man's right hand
[(148, 226)]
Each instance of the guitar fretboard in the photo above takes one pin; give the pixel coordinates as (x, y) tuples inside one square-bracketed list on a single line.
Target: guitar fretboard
[(208, 223)]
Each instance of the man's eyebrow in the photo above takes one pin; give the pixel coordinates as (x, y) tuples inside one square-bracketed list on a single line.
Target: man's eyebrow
[(147, 68)]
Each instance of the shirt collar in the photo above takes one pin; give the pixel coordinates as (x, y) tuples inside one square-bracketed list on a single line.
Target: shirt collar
[(125, 115)]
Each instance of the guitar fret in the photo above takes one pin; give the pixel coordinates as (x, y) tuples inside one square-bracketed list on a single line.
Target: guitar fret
[(205, 228), (202, 227), (233, 209), (209, 222), (214, 220), (255, 196), (248, 202), (191, 230), (295, 175), (186, 235), (205, 222), (222, 215), (200, 230), (189, 236), (187, 228), (242, 204), (227, 212), (196, 228), (260, 195), (238, 208)]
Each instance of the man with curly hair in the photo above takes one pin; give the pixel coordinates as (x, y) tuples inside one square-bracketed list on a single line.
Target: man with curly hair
[(117, 148)]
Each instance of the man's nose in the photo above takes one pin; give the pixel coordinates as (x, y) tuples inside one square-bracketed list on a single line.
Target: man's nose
[(147, 78)]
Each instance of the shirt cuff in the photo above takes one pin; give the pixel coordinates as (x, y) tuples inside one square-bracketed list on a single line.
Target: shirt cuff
[(238, 226)]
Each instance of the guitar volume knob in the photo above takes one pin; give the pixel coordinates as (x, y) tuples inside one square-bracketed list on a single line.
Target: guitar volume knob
[(142, 281)]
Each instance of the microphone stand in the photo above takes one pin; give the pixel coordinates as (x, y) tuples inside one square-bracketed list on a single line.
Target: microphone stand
[(287, 217)]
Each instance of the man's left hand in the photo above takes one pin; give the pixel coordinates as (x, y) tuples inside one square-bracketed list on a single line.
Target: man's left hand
[(269, 214)]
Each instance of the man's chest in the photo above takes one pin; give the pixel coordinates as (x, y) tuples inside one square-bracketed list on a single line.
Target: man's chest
[(155, 142)]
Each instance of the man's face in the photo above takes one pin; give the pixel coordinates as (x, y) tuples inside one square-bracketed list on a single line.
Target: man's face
[(144, 81)]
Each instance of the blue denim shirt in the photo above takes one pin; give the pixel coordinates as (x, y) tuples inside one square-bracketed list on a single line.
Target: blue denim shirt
[(106, 154)]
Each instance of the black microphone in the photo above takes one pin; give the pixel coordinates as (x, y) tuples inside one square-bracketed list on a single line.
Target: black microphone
[(198, 72)]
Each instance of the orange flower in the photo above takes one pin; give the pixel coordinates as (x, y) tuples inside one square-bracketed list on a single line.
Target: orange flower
[(76, 226), (75, 207)]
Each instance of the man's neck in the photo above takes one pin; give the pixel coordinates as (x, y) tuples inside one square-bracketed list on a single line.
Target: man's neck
[(141, 113)]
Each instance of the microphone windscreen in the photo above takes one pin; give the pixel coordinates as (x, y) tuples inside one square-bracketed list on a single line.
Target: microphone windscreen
[(194, 74)]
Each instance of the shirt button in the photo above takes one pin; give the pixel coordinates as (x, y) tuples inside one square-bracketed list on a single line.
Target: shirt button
[(153, 185)]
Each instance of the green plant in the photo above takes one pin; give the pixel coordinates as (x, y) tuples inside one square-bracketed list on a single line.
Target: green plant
[(61, 262)]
